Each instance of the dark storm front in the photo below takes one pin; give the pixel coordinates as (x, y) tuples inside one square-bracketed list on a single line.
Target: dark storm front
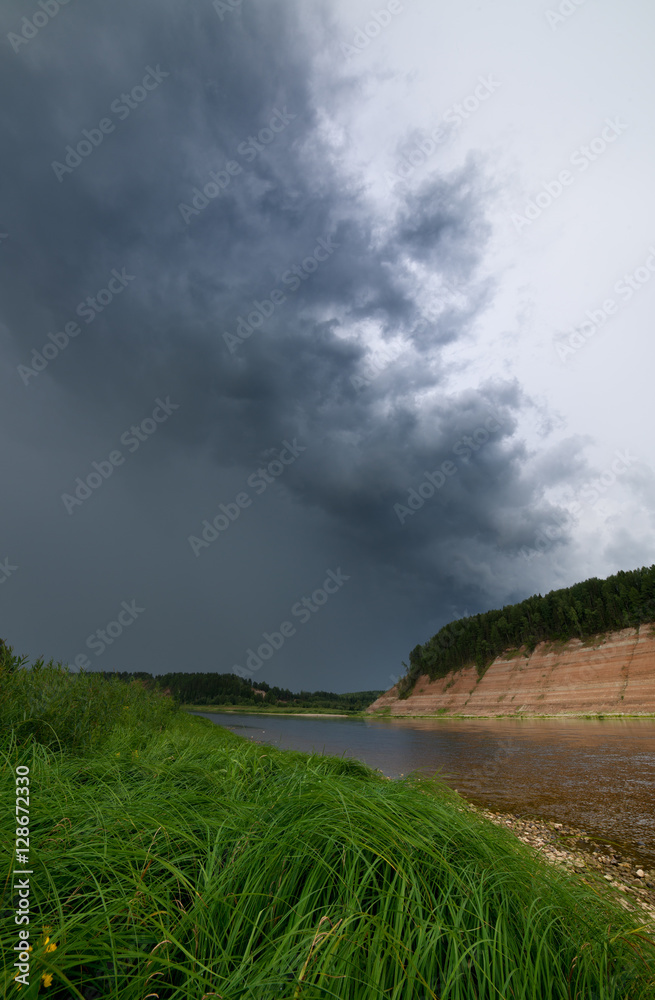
[(131, 439), (598, 775), (259, 481), (303, 610)]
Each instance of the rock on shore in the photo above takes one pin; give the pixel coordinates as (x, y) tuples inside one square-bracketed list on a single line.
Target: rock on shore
[(573, 849)]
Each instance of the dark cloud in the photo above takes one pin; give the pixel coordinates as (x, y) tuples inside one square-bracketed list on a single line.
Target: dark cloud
[(193, 275)]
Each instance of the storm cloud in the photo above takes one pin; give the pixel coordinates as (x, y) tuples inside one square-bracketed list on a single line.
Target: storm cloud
[(203, 301)]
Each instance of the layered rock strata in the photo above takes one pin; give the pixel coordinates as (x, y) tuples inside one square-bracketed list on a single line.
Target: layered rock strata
[(609, 674)]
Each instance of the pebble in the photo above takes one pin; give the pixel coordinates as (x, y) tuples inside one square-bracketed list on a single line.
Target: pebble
[(636, 884)]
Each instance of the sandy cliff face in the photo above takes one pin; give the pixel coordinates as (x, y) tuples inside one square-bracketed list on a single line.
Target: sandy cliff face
[(612, 673)]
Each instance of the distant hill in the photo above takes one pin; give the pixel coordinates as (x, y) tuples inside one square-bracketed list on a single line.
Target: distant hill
[(625, 600), (229, 689)]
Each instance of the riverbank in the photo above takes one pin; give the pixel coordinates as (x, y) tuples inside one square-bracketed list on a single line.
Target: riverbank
[(574, 850), (386, 713), (533, 767), (272, 710), (152, 828), (610, 674)]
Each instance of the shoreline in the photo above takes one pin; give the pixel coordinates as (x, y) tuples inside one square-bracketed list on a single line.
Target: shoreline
[(234, 829), (244, 710), (386, 714), (573, 849), (563, 845), (589, 854)]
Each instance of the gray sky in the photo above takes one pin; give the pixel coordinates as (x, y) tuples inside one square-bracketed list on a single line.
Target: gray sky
[(397, 258)]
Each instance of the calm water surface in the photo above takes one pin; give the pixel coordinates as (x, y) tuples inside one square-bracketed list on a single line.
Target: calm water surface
[(596, 774)]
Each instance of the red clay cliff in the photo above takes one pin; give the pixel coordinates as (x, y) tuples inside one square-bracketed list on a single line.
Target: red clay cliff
[(608, 674)]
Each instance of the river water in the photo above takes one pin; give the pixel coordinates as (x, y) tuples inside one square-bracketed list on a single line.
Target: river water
[(597, 774)]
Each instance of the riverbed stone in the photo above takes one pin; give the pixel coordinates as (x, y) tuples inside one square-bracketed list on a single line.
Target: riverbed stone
[(550, 841)]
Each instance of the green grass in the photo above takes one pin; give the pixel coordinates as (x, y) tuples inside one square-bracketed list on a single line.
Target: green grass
[(176, 860), (510, 654)]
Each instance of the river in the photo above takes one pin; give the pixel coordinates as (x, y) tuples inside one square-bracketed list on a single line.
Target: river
[(596, 774)]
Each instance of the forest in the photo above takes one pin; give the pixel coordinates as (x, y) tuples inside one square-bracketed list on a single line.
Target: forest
[(586, 609), (229, 689)]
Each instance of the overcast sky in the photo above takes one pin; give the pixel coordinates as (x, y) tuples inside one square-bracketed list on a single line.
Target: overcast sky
[(322, 324)]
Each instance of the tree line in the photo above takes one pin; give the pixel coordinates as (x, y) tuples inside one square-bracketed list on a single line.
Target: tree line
[(229, 689), (586, 609)]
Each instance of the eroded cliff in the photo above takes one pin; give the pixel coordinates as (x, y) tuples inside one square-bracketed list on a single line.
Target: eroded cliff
[(613, 673)]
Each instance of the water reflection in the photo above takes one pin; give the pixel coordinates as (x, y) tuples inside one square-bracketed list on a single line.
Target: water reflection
[(596, 774)]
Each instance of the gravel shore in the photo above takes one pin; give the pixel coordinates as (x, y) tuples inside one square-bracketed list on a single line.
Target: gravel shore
[(573, 849)]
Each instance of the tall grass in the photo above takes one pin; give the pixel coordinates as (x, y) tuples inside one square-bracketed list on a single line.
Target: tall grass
[(173, 859)]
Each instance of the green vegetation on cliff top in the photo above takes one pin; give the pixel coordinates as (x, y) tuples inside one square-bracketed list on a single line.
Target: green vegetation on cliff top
[(624, 600)]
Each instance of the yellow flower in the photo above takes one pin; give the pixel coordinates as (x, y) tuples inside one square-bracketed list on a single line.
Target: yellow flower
[(50, 947), (46, 978)]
